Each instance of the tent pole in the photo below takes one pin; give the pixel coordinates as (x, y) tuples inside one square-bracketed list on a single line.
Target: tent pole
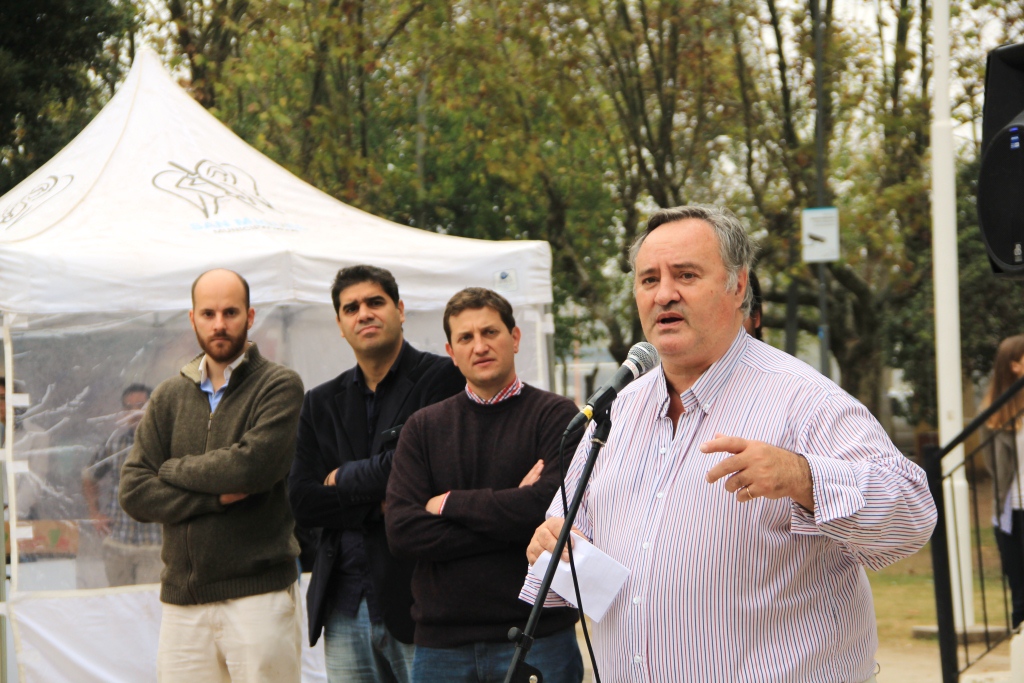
[(549, 345), (8, 470), (542, 348)]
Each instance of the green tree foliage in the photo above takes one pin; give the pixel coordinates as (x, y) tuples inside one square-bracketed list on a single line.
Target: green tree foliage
[(207, 33), (59, 61), (990, 310), (990, 307), (875, 137), (460, 118), (654, 78), (571, 121)]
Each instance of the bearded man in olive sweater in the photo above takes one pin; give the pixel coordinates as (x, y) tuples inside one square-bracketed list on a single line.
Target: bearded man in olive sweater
[(470, 477), (209, 462)]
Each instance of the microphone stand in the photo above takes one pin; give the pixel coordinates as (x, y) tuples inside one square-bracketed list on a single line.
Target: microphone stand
[(519, 671)]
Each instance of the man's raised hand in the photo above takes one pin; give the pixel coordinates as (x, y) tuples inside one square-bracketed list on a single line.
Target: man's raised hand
[(757, 469)]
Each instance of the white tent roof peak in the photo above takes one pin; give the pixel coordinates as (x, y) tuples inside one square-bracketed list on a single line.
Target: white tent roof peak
[(155, 190)]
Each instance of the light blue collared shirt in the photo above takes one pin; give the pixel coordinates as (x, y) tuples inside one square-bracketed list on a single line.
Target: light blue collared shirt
[(207, 385)]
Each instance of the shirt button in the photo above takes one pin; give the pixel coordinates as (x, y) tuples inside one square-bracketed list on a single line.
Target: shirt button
[(662, 451), (659, 494), (636, 600), (638, 659), (646, 545), (707, 407)]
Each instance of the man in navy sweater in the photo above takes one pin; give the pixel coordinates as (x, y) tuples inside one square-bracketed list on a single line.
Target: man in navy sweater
[(472, 476)]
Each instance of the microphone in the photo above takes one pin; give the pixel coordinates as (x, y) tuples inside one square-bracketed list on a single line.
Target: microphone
[(641, 358)]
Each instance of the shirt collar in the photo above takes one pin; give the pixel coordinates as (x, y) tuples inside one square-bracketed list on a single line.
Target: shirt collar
[(232, 366), (514, 388), (709, 385)]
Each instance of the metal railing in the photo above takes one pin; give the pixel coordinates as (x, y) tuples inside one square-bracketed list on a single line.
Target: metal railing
[(968, 572)]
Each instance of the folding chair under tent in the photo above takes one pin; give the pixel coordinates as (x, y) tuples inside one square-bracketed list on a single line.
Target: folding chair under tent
[(98, 249)]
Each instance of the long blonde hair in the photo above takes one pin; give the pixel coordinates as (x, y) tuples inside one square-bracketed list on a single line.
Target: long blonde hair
[(1010, 350)]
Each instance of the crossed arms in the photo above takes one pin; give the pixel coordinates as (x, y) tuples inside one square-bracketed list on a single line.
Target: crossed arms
[(158, 485)]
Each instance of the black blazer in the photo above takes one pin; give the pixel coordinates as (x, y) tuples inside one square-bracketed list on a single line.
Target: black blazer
[(332, 434)]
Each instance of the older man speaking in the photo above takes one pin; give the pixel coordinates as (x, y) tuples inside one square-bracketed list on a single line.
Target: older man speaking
[(744, 491)]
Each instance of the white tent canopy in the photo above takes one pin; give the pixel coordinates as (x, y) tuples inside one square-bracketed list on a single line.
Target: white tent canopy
[(98, 249), (155, 190)]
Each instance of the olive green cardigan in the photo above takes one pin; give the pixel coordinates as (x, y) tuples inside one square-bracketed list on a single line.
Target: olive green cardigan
[(184, 457)]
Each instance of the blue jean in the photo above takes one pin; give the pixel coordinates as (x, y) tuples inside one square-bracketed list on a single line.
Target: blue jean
[(359, 651), (556, 656)]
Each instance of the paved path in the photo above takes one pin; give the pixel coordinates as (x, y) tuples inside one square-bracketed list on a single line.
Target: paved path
[(912, 661)]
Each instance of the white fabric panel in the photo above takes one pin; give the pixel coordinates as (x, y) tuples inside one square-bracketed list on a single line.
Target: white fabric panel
[(105, 636), (86, 637)]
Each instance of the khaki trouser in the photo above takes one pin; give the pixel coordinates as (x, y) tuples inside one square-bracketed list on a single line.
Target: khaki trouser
[(257, 639)]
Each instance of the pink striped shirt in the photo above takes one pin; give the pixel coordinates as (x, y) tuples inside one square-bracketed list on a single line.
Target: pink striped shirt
[(514, 388), (761, 591)]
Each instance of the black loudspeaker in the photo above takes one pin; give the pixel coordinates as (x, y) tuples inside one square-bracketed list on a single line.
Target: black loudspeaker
[(1001, 180)]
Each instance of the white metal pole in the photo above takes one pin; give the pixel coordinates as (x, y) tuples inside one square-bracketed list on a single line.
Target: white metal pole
[(945, 276)]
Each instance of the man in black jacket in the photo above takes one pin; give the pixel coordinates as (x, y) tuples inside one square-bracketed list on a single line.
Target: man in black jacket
[(359, 594)]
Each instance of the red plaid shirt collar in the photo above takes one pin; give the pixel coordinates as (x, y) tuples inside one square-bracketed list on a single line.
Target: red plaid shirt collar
[(513, 389)]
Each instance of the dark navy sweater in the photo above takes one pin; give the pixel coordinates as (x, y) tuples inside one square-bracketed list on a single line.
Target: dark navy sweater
[(471, 561)]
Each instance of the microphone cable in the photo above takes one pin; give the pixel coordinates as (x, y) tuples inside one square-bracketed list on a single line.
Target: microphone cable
[(572, 564)]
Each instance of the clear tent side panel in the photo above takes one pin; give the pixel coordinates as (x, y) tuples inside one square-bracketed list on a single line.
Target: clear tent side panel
[(78, 427)]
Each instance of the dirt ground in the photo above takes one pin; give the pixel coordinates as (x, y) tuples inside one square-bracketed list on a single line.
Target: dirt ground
[(917, 661)]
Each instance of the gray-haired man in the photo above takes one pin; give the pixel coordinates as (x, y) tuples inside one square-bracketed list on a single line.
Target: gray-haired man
[(744, 491)]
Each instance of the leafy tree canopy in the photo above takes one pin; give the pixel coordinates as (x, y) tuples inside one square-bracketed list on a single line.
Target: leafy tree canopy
[(571, 122), (59, 61)]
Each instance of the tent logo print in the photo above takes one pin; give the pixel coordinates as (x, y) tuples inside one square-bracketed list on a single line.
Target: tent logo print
[(210, 185), (35, 198)]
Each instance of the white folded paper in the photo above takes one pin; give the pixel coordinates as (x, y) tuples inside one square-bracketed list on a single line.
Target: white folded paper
[(601, 577)]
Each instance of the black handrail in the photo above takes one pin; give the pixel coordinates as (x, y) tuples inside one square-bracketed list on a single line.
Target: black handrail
[(949, 640), (941, 571)]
